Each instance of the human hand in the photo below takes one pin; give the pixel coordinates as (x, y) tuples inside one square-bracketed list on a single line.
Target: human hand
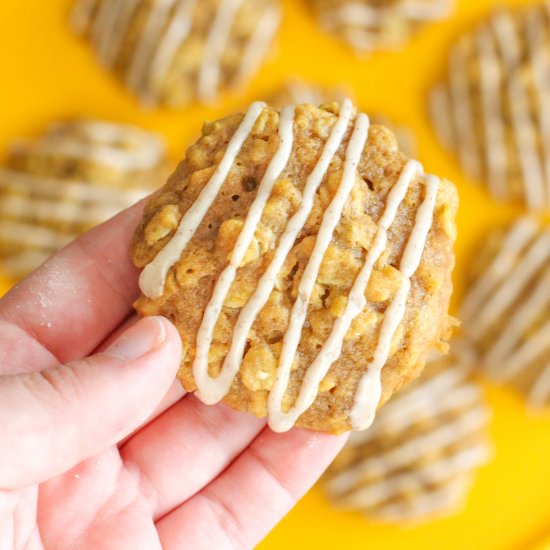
[(105, 451)]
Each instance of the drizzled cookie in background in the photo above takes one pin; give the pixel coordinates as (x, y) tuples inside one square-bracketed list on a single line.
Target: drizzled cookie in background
[(418, 459), (172, 52), (74, 176), (296, 91), (369, 25), (492, 108), (506, 310)]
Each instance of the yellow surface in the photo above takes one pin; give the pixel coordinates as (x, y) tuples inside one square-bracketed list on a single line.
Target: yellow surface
[(47, 74)]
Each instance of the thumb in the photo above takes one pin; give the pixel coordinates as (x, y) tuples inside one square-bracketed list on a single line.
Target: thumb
[(54, 419)]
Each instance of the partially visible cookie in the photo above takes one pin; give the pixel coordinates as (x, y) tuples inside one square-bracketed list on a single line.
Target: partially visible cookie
[(171, 52), (419, 457), (305, 261), (297, 92), (506, 310), (74, 176), (492, 107), (368, 25)]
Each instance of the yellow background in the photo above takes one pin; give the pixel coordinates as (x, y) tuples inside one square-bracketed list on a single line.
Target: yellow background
[(47, 74)]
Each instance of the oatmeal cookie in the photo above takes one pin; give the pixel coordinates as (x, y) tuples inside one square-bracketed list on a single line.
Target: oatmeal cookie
[(74, 176), (171, 52), (418, 459), (305, 261), (368, 25), (492, 110), (506, 310)]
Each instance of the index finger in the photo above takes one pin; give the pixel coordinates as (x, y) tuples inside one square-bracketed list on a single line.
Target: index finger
[(81, 294)]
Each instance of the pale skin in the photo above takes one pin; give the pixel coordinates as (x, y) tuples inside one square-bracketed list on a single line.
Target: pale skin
[(99, 446)]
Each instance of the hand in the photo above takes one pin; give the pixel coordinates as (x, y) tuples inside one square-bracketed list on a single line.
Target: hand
[(104, 451)]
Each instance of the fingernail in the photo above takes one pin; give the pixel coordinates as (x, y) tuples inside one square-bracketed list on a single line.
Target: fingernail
[(144, 336)]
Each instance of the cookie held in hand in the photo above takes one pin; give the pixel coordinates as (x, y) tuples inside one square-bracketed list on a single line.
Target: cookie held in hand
[(305, 261)]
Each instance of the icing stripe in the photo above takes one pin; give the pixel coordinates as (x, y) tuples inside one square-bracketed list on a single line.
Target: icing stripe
[(205, 384), (414, 449), (147, 44), (213, 391), (153, 277), (370, 388), (78, 191), (540, 392), (81, 15), (283, 421), (524, 132), (494, 130), (259, 43), (218, 36), (511, 288), (514, 242)]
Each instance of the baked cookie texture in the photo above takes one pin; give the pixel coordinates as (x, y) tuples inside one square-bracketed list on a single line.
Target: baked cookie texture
[(491, 108), (297, 92), (506, 310), (419, 458), (368, 25), (305, 261), (172, 52), (74, 176)]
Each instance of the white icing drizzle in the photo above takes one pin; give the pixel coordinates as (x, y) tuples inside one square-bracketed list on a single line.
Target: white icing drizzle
[(148, 44), (212, 390), (495, 133), (218, 36), (167, 26), (440, 113), (462, 109), (539, 58), (259, 43), (205, 334), (513, 285), (514, 242), (167, 47), (440, 472), (365, 25), (511, 55), (79, 191), (518, 281), (153, 277), (32, 203), (283, 421), (362, 413), (411, 451), (525, 134)]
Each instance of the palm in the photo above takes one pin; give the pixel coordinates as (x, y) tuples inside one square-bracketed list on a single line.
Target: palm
[(187, 475)]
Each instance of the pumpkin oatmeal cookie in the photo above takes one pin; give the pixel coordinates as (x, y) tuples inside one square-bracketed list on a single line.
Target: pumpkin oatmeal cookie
[(418, 459), (172, 52), (506, 310), (305, 261), (74, 176)]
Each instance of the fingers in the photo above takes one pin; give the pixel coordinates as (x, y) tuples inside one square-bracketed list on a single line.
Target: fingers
[(188, 446), (72, 412), (81, 294), (241, 506)]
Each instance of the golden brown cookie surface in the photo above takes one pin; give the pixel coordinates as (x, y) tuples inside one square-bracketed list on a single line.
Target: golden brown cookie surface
[(74, 176), (308, 219), (491, 109), (506, 309), (172, 52), (418, 458)]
